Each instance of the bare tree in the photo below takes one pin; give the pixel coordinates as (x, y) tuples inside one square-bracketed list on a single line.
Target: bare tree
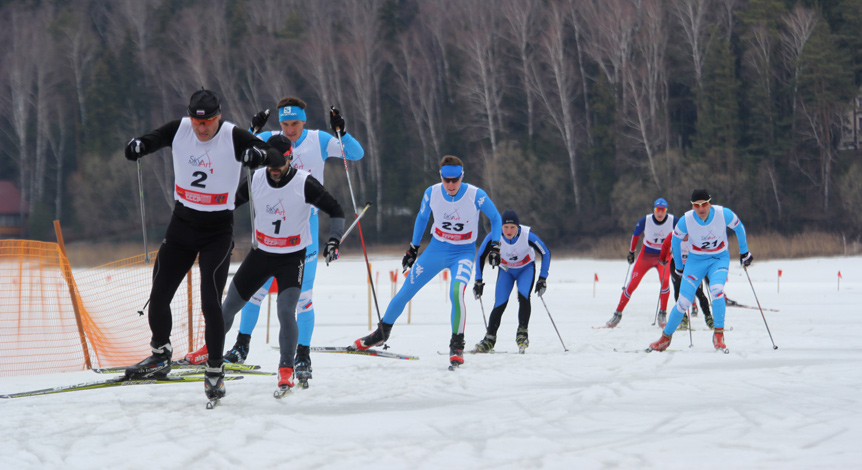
[(799, 26), (610, 26), (577, 24), (523, 21), (645, 82), (692, 17), (78, 45), (555, 83)]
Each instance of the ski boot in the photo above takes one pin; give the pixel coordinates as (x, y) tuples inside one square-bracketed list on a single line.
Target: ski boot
[(693, 310), (214, 383), (615, 320), (156, 366), (521, 339), (456, 351), (302, 367), (718, 339), (380, 335), (709, 320), (662, 318), (285, 382), (486, 345), (195, 357), (661, 344), (683, 325), (239, 351)]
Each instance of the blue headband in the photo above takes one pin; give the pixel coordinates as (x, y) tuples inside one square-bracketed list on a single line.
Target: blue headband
[(291, 113), (452, 171)]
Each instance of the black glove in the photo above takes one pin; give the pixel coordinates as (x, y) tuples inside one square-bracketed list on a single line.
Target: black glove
[(330, 251), (746, 259), (678, 272), (259, 120), (662, 262), (409, 257), (134, 150), (494, 256), (253, 157), (478, 288), (541, 286), (336, 122), (631, 257)]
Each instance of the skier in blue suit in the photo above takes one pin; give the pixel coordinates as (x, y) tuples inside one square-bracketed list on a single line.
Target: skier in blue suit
[(708, 256)]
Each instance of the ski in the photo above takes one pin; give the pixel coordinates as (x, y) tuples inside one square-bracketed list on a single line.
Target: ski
[(474, 351), (213, 403), (280, 392), (639, 351), (113, 382), (367, 352), (228, 367), (724, 350), (605, 327), (522, 349), (731, 303), (454, 365), (302, 378)]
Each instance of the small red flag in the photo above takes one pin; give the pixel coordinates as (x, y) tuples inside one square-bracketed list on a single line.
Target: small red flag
[(839, 275), (597, 277), (779, 273), (273, 289)]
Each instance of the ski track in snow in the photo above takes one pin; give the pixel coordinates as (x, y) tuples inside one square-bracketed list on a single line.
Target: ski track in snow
[(795, 407)]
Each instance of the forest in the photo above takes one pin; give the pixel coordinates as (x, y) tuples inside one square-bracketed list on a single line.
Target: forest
[(577, 114)]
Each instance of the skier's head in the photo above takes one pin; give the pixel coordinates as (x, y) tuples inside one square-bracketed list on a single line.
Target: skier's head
[(204, 111), (660, 209), (511, 223), (451, 174), (284, 146), (700, 202), (291, 117)]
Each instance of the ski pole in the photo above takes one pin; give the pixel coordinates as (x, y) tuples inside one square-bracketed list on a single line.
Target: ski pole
[(358, 224), (141, 311), (745, 268), (483, 313), (141, 196), (552, 323), (251, 208), (355, 222)]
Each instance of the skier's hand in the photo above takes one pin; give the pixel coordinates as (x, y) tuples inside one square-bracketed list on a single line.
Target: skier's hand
[(134, 150), (746, 259), (662, 262), (330, 251), (409, 257), (253, 157), (259, 120), (336, 122), (541, 286), (494, 256), (678, 272), (478, 288), (631, 257)]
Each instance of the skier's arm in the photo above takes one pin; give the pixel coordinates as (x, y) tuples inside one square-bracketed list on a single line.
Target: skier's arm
[(352, 149), (422, 217), (490, 211), (484, 249), (543, 250), (639, 229), (318, 196), (159, 138), (679, 232), (243, 139), (736, 224)]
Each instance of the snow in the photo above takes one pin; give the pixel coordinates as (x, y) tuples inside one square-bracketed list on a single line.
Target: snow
[(795, 407)]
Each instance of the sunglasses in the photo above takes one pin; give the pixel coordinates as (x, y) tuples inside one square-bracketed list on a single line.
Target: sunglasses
[(199, 121), (451, 180), (699, 204)]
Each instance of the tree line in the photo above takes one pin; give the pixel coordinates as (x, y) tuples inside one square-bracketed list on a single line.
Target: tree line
[(575, 113)]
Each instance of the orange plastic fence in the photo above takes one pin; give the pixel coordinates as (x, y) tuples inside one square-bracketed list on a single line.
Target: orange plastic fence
[(54, 319)]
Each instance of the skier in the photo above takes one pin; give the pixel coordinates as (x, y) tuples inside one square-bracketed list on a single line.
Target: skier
[(455, 206), (705, 226), (664, 257), (208, 154), (311, 148), (518, 247), (655, 228), (283, 199)]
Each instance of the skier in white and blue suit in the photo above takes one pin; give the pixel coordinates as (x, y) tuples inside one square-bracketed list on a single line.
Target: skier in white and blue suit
[(311, 148), (518, 248), (456, 207), (705, 226)]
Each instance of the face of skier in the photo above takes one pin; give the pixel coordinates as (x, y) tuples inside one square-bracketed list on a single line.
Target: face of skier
[(292, 129), (660, 213), (510, 231), (277, 173), (451, 185), (205, 129), (701, 208)]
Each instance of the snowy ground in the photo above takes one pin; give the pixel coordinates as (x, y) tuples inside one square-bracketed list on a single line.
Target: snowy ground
[(795, 407)]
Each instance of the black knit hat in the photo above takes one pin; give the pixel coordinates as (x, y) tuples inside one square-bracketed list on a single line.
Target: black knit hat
[(282, 144), (700, 195), (511, 217), (204, 105)]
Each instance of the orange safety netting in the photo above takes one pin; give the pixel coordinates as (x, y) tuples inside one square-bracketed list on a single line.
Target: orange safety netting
[(55, 320)]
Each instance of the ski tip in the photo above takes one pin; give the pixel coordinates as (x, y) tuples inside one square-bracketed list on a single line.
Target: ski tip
[(213, 403)]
